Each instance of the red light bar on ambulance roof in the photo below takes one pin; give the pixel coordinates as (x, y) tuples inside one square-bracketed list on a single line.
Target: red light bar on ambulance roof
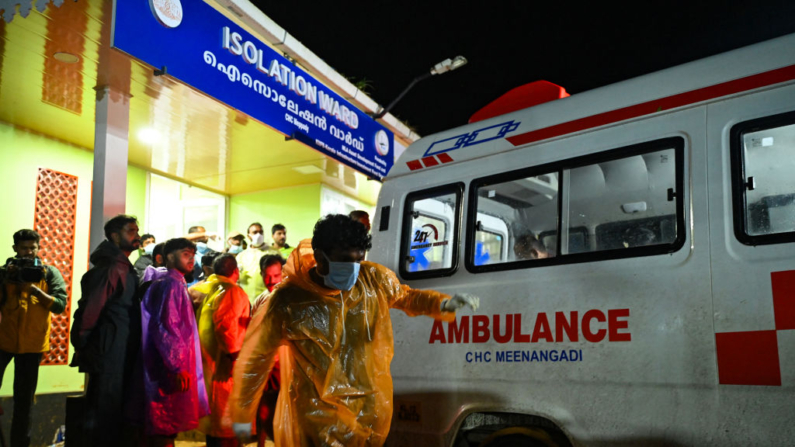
[(519, 98)]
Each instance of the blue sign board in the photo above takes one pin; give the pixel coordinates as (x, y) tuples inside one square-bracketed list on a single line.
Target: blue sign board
[(204, 49)]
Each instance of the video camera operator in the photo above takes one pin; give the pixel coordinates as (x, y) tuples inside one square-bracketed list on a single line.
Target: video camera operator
[(30, 292)]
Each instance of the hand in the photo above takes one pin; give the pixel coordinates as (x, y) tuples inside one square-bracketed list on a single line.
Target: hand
[(181, 381), (460, 300), (211, 235), (242, 429), (44, 299), (35, 290)]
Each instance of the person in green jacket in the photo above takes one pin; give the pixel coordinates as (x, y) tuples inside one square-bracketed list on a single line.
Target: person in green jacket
[(27, 299), (248, 261), (279, 236)]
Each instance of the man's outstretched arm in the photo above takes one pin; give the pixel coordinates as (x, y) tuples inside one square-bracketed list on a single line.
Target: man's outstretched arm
[(438, 305)]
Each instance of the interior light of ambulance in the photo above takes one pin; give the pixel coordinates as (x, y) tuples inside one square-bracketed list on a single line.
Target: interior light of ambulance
[(633, 207)]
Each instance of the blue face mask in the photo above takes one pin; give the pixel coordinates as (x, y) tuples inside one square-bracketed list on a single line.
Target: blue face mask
[(149, 249), (235, 249), (201, 247), (341, 275)]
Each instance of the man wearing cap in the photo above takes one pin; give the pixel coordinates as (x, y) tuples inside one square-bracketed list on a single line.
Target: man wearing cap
[(235, 243)]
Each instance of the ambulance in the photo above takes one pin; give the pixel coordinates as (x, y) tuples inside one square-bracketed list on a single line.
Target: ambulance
[(633, 248)]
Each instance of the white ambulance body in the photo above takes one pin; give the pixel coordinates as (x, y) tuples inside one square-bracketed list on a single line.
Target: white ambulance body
[(633, 248)]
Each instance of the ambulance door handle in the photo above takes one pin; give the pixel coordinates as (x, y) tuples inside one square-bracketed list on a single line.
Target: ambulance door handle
[(750, 184), (415, 214), (671, 194), (410, 259), (479, 226)]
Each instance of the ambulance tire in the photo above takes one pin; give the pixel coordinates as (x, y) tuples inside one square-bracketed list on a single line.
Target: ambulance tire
[(519, 437)]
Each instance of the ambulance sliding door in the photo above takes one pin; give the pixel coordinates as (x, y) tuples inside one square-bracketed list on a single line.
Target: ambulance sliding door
[(655, 373), (751, 152)]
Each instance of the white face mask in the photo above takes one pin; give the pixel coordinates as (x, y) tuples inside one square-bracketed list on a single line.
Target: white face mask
[(257, 239)]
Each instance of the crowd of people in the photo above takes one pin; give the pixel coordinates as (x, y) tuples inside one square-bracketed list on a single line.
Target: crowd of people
[(188, 338)]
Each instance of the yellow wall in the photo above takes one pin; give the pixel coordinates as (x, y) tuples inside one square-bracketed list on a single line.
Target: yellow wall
[(24, 152), (297, 208)]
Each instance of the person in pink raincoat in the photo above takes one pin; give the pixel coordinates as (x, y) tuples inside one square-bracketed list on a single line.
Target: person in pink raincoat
[(174, 392)]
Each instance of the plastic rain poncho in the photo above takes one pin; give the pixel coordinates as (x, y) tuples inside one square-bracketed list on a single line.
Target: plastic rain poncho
[(152, 273), (337, 386), (222, 317), (170, 346)]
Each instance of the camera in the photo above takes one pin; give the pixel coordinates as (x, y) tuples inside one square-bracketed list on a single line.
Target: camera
[(23, 270)]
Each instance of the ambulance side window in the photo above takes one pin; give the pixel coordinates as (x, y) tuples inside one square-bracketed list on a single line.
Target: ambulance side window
[(526, 203), (763, 167), (429, 246), (619, 203), (626, 201)]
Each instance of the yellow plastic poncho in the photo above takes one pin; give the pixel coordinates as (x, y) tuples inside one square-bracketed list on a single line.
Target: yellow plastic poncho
[(250, 277), (336, 381), (222, 319)]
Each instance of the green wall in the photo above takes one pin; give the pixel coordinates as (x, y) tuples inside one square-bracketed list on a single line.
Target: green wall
[(297, 208), (27, 151), (136, 194)]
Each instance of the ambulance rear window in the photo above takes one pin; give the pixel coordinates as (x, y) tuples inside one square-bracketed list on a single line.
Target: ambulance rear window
[(763, 163), (620, 203), (429, 242)]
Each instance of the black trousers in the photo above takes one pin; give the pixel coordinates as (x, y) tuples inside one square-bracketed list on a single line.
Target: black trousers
[(26, 377), (212, 441), (104, 409)]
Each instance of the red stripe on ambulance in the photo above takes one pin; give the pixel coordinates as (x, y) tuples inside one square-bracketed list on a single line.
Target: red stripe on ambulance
[(429, 161), (594, 326), (647, 108)]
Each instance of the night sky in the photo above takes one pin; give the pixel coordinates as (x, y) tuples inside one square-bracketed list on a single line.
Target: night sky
[(580, 46)]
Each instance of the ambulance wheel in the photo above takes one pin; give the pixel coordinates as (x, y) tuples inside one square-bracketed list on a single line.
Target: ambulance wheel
[(519, 437)]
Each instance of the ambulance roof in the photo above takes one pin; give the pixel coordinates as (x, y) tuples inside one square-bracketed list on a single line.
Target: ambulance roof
[(681, 86)]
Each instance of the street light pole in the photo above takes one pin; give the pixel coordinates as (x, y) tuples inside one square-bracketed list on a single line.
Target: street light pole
[(442, 67)]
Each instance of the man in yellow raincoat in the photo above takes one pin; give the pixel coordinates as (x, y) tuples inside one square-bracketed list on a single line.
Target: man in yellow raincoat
[(222, 318), (332, 314)]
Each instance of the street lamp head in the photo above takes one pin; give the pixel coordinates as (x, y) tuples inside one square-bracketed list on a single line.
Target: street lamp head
[(442, 67), (458, 62), (448, 65)]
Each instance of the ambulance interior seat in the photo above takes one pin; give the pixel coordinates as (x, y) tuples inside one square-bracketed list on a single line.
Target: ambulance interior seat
[(634, 233), (772, 214), (578, 239)]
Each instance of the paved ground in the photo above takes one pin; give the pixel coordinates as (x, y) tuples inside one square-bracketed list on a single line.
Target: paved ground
[(202, 444)]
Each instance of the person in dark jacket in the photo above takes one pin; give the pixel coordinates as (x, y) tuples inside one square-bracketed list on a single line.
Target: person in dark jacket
[(146, 257), (157, 260), (106, 330)]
